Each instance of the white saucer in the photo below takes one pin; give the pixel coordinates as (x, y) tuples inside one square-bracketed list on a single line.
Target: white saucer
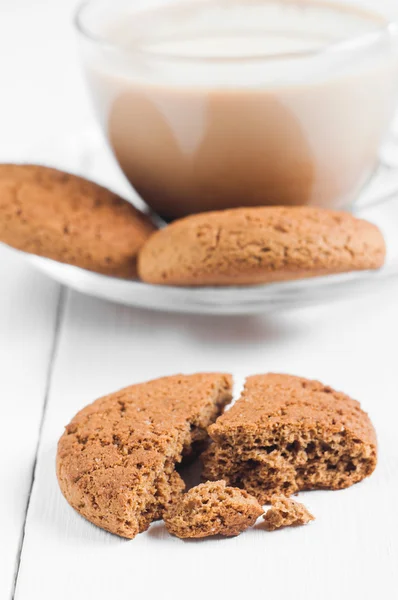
[(86, 154)]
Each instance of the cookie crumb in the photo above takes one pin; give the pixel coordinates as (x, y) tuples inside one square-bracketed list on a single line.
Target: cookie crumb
[(212, 508), (285, 512)]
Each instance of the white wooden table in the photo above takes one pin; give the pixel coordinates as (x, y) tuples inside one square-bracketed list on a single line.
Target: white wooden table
[(59, 350)]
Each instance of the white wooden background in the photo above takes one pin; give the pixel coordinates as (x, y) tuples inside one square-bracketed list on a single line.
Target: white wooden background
[(60, 350)]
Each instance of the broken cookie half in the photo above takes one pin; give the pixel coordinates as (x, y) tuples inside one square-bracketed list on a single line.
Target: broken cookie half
[(212, 508), (287, 434), (116, 460)]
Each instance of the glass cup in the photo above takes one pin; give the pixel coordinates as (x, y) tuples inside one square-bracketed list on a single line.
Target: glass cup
[(217, 104)]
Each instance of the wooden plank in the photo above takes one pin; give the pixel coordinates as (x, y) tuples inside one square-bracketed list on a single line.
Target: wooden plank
[(28, 304), (352, 548)]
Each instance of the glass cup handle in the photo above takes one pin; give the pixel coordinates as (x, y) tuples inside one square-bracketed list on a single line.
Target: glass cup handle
[(384, 184)]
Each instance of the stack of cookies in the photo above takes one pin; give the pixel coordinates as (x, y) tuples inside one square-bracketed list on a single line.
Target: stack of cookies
[(118, 460), (71, 220)]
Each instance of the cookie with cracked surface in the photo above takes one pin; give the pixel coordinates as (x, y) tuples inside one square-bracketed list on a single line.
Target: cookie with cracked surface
[(70, 219), (247, 246), (212, 508), (116, 460), (287, 434), (285, 512)]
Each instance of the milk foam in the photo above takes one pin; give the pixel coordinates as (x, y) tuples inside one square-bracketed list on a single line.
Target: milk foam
[(209, 29)]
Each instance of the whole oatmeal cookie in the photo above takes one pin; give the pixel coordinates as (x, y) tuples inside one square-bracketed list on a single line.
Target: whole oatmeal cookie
[(70, 219), (285, 512), (287, 434), (247, 246), (212, 508), (116, 460)]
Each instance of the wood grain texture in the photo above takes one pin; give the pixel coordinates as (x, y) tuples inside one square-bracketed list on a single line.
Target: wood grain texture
[(28, 303), (349, 551)]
